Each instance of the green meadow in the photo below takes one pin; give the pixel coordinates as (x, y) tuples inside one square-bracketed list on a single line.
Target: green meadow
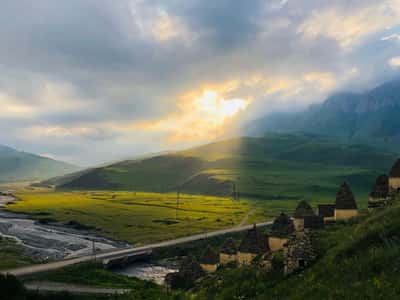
[(274, 167), (133, 216), (271, 173), (11, 254)]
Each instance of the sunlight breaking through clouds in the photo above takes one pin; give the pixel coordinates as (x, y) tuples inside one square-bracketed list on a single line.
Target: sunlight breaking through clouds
[(204, 116), (119, 83), (395, 62)]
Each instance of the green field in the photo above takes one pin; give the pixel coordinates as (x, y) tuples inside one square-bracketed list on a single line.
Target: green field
[(135, 217), (148, 217), (11, 255)]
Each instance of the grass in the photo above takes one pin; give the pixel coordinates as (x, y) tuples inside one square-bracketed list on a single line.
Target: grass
[(274, 167), (92, 274), (135, 217), (11, 255), (357, 260)]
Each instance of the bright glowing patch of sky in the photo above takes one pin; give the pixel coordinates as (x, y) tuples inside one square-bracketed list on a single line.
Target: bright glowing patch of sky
[(91, 81)]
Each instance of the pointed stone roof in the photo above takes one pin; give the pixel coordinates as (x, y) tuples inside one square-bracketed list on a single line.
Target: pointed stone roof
[(229, 247), (345, 198), (381, 187), (254, 242), (209, 257), (282, 226), (395, 171), (303, 210), (190, 267)]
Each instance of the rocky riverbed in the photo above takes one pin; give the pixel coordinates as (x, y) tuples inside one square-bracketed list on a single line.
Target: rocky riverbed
[(6, 199), (154, 271), (50, 242)]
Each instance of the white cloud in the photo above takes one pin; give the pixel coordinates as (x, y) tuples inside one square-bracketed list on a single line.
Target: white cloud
[(394, 62), (393, 37), (349, 25), (70, 89)]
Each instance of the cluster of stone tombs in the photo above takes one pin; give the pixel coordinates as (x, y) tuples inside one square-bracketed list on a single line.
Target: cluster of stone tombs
[(385, 188), (293, 236)]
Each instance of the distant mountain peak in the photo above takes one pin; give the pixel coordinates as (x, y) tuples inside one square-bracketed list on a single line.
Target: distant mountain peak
[(372, 116), (23, 166)]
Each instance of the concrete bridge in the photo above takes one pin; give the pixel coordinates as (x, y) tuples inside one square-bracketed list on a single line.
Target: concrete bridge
[(126, 255)]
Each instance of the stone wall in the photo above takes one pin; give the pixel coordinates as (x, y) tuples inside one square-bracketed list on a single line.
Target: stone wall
[(345, 214), (374, 203), (245, 259), (227, 258), (394, 184), (276, 243), (298, 224), (299, 251), (209, 268)]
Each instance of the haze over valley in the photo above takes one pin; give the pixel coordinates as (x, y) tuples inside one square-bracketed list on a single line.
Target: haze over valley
[(199, 150)]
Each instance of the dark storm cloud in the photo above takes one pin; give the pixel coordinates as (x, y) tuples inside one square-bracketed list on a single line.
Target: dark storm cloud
[(224, 24), (86, 65)]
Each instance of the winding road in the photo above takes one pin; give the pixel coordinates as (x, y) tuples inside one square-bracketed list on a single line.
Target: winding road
[(46, 286), (36, 269)]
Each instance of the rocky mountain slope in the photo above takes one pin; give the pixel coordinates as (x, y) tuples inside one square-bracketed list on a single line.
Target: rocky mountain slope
[(372, 117)]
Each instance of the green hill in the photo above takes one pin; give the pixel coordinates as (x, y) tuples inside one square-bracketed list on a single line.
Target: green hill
[(276, 166), (21, 166)]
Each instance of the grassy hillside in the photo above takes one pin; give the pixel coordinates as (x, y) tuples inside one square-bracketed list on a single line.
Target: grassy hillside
[(22, 166), (274, 167), (356, 261)]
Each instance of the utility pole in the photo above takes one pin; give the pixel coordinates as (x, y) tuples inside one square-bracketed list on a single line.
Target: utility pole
[(178, 196), (94, 249)]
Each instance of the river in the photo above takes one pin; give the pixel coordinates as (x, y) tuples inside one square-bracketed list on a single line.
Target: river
[(154, 271), (50, 242)]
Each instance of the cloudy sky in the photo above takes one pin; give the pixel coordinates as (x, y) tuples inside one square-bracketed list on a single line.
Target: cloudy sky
[(89, 81)]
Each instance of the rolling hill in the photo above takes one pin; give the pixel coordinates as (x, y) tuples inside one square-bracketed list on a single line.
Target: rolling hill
[(274, 167), (370, 117), (22, 166)]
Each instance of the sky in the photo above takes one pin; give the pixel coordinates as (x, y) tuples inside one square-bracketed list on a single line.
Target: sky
[(91, 81)]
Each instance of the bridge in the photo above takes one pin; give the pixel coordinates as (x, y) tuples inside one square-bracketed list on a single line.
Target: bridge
[(127, 254)]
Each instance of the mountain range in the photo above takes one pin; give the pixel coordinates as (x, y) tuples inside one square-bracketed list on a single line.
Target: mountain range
[(22, 166), (370, 117)]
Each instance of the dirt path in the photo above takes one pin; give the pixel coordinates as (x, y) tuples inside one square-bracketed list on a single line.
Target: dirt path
[(245, 218), (47, 286), (36, 269)]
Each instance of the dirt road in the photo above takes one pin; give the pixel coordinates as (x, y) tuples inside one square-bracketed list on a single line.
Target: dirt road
[(46, 286), (36, 269)]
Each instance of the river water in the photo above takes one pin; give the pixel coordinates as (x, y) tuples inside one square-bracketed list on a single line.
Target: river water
[(154, 271), (46, 242)]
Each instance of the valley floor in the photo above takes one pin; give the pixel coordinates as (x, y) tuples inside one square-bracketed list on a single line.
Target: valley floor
[(138, 218)]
